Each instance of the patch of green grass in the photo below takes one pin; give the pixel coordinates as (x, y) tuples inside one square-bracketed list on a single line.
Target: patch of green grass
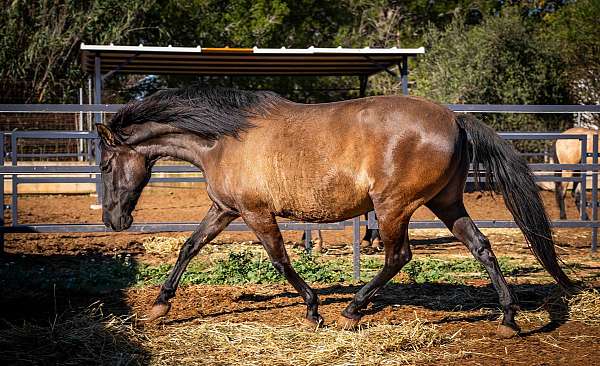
[(455, 270), (237, 268)]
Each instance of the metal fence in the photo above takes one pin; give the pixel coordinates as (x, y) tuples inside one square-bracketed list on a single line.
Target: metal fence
[(88, 172)]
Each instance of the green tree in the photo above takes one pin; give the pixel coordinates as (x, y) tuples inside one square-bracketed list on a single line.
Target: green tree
[(500, 61), (40, 41), (575, 34)]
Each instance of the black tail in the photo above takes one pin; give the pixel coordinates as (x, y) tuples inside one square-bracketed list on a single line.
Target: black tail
[(508, 173)]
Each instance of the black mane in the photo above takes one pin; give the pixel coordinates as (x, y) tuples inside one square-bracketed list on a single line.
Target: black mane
[(211, 113)]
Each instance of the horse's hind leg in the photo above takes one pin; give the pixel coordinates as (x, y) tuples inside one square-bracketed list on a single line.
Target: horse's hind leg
[(372, 239), (559, 195), (456, 218), (576, 193), (394, 232), (266, 229), (214, 222)]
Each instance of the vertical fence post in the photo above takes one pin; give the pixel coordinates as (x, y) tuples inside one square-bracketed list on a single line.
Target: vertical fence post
[(356, 248), (583, 176), (2, 193), (99, 192), (80, 142), (97, 119), (14, 194), (595, 192)]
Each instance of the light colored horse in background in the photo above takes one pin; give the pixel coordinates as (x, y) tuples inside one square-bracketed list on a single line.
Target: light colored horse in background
[(569, 152)]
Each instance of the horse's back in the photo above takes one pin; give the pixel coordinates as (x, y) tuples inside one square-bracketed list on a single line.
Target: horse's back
[(327, 162)]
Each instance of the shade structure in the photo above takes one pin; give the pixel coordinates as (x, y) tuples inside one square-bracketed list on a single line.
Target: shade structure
[(312, 61)]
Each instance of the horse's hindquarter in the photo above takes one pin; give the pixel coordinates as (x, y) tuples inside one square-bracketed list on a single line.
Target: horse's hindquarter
[(326, 162), (568, 151)]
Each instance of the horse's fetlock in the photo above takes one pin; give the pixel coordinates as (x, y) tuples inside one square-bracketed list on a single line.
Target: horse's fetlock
[(351, 313), (166, 293)]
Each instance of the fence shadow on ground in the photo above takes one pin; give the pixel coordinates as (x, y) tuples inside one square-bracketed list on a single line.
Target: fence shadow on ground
[(63, 309)]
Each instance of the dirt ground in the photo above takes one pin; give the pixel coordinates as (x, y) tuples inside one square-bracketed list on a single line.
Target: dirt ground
[(174, 204), (468, 310)]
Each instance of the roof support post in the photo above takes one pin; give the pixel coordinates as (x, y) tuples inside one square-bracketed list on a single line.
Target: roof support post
[(364, 81), (404, 74), (97, 87)]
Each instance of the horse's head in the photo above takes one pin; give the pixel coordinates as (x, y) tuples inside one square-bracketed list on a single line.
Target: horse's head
[(125, 172)]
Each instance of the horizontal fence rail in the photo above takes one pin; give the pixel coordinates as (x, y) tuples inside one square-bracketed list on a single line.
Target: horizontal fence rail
[(471, 108), (89, 172)]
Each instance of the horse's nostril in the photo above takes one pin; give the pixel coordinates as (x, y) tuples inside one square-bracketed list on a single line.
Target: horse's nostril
[(125, 222)]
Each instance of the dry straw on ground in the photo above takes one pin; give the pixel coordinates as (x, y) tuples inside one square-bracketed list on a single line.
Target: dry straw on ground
[(162, 245), (85, 338), (259, 344), (585, 307)]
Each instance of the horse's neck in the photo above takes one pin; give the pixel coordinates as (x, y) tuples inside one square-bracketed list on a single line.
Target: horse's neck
[(187, 147)]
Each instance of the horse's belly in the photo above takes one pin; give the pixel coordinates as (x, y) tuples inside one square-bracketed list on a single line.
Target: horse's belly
[(328, 200)]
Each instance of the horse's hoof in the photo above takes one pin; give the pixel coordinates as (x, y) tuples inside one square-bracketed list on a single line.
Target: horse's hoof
[(377, 245), (365, 244), (344, 323), (157, 311), (313, 324), (506, 332), (318, 247)]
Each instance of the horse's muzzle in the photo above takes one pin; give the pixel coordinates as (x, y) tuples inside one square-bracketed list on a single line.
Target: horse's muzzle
[(118, 222)]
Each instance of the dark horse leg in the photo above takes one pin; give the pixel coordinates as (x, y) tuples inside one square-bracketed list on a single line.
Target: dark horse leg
[(576, 194), (456, 218), (394, 232), (318, 242), (266, 229), (214, 222), (559, 195), (371, 238)]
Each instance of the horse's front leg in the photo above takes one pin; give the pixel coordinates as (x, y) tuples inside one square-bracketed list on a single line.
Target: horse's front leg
[(215, 221), (266, 229)]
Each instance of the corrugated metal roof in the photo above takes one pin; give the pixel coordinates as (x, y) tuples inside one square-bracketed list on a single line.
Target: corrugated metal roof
[(243, 61)]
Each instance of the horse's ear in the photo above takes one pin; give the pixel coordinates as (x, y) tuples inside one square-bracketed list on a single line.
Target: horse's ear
[(107, 136)]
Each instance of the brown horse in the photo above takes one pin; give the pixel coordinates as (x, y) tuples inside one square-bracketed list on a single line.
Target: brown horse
[(265, 157), (569, 152)]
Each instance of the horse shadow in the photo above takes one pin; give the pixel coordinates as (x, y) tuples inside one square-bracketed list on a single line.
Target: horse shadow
[(54, 309), (451, 298)]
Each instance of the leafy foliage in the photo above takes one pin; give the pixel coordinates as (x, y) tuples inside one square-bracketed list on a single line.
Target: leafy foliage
[(483, 51), (498, 62), (452, 271), (39, 43), (575, 34), (244, 267)]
